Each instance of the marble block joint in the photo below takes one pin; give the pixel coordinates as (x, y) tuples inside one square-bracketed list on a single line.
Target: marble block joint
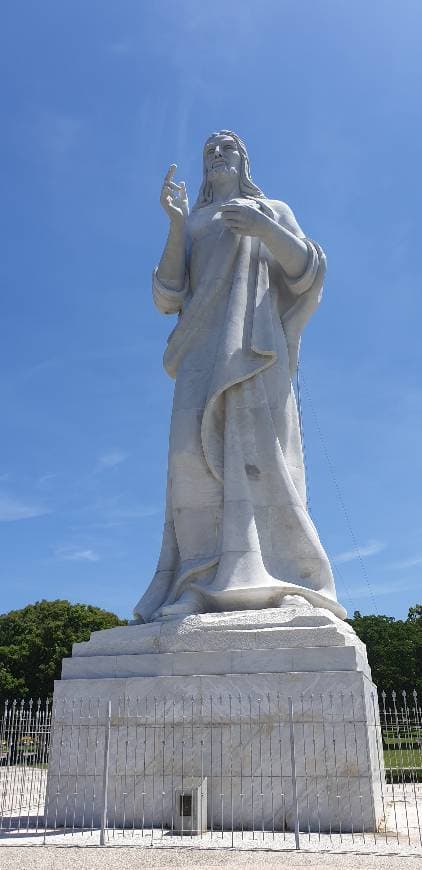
[(205, 699)]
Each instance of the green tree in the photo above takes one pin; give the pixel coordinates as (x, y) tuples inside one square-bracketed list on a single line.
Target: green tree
[(34, 640), (415, 613), (394, 649)]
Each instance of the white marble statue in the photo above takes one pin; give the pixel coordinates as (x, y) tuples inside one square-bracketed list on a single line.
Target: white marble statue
[(243, 279)]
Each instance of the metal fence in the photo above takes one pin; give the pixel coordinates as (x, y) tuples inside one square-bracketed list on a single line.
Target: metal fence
[(225, 770)]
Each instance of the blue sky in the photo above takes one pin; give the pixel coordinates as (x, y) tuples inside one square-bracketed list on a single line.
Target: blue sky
[(98, 98)]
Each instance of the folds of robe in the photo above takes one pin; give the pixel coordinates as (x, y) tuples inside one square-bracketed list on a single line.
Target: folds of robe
[(237, 530)]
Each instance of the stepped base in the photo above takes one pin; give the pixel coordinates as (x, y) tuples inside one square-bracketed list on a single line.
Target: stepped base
[(207, 696)]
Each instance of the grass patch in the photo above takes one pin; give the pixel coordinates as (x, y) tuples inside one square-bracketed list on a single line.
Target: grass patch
[(403, 765), (400, 758)]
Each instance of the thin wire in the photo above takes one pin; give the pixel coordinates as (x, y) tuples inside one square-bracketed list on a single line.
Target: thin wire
[(301, 382), (345, 586)]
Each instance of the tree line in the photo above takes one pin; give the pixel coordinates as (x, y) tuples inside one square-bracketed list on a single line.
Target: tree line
[(35, 639), (394, 648)]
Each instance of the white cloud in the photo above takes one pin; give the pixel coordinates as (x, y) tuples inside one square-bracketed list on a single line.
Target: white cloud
[(58, 135), (119, 516), (413, 562), (109, 512), (372, 548), (383, 588), (120, 48), (45, 480), (12, 509), (72, 554), (111, 458), (135, 512)]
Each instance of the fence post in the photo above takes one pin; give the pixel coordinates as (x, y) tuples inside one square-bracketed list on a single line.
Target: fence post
[(293, 763), (107, 726)]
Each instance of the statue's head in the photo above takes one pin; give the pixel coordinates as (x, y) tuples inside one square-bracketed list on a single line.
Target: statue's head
[(225, 152)]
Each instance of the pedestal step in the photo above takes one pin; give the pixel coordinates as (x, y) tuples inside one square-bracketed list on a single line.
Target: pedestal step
[(268, 707)]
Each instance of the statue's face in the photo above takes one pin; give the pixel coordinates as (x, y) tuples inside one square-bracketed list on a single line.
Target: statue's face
[(221, 156)]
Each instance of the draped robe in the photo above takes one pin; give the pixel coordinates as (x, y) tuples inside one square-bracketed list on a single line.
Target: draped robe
[(237, 530)]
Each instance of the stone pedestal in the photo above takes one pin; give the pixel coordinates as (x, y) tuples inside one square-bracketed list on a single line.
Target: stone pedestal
[(207, 698)]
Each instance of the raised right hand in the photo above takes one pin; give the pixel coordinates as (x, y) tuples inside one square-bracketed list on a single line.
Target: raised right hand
[(174, 197)]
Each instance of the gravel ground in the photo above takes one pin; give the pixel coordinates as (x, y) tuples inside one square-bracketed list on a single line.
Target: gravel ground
[(22, 832), (69, 858)]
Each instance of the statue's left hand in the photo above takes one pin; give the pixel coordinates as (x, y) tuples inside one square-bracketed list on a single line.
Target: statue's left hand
[(245, 219)]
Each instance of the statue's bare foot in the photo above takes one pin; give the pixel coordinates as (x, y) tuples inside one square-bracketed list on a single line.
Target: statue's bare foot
[(294, 601), (186, 605)]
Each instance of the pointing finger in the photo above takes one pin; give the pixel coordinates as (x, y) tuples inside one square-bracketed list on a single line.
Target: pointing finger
[(170, 172)]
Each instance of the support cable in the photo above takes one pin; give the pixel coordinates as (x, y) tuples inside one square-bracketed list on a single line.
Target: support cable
[(301, 384), (343, 582)]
